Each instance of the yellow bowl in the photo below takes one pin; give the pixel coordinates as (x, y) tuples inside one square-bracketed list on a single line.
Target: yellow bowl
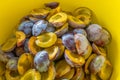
[(106, 11)]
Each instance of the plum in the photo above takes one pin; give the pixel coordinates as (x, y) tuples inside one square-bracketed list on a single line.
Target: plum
[(9, 45), (94, 32), (4, 57), (40, 13), (26, 27), (12, 75), (41, 61), (39, 27), (73, 59), (58, 19), (62, 70), (20, 38), (75, 22), (50, 74), (25, 62), (82, 11), (12, 64), (26, 45), (50, 28), (31, 74), (68, 41), (104, 39), (62, 30), (53, 52), (96, 64), (80, 31), (33, 48), (52, 5), (46, 40)]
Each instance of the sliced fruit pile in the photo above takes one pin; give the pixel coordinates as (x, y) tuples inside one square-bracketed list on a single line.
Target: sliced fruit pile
[(53, 44)]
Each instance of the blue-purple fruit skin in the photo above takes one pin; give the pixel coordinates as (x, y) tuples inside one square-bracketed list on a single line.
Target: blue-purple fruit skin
[(39, 27), (12, 64), (105, 38), (68, 41), (94, 31), (98, 35), (50, 28), (26, 27), (26, 45), (80, 31), (41, 61)]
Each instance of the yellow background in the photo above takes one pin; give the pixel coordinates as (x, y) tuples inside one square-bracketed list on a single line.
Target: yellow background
[(106, 11)]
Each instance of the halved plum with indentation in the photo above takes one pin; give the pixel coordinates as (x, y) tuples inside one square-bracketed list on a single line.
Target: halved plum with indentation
[(53, 52), (33, 48), (46, 40), (62, 67), (98, 50), (75, 22), (20, 38), (25, 62), (69, 75), (61, 47), (31, 74), (9, 45), (12, 75), (40, 13), (74, 59), (79, 74), (62, 30), (92, 56), (58, 19)]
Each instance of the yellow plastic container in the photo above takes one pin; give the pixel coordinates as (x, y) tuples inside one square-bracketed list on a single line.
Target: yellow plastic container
[(106, 11)]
